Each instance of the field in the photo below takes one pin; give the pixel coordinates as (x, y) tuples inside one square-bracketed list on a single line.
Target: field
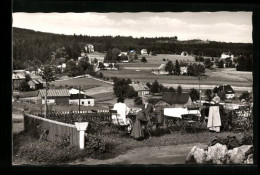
[(85, 82), (138, 71)]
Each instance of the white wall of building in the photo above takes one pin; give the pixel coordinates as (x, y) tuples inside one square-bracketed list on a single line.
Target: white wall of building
[(49, 101), (83, 102)]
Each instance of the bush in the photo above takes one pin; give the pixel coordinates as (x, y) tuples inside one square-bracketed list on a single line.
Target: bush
[(143, 60), (42, 151)]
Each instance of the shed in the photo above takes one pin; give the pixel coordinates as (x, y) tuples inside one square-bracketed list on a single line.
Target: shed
[(35, 84)]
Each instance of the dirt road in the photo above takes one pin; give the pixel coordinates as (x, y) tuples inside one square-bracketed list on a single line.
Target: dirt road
[(148, 155)]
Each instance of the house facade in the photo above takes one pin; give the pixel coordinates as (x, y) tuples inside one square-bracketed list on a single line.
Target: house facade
[(54, 96), (227, 55), (36, 84), (85, 100), (17, 78)]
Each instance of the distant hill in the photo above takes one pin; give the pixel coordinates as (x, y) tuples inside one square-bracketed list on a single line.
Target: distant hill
[(32, 47)]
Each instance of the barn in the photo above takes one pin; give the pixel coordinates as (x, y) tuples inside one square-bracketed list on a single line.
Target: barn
[(55, 96)]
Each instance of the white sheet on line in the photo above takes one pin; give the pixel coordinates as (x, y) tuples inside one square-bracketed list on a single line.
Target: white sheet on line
[(177, 112)]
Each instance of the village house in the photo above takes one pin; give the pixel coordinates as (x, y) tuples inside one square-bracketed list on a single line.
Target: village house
[(17, 78), (184, 70), (227, 55), (144, 52), (89, 48), (175, 100), (123, 56), (230, 93), (62, 66), (141, 88), (85, 100), (35, 84), (184, 53), (160, 70), (54, 96)]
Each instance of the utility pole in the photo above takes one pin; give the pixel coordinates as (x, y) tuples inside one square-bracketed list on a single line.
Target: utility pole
[(79, 99), (46, 94)]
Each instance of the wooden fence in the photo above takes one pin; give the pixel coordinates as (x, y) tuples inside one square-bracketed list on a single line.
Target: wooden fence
[(51, 130)]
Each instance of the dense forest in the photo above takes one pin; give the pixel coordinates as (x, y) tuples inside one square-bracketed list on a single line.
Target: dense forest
[(36, 48)]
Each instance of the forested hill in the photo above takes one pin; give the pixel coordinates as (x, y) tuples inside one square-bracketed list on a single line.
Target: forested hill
[(29, 45)]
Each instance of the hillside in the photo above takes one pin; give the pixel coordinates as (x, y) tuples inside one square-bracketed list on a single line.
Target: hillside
[(34, 48)]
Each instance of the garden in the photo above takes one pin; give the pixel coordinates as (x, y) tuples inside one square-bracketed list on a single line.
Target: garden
[(105, 141)]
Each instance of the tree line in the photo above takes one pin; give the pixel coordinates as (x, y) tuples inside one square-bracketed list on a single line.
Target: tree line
[(33, 48)]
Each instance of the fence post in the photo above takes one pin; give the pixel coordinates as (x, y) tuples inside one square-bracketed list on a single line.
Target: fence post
[(81, 127)]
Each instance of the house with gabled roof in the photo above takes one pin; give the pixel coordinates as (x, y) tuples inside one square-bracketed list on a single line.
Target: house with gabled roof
[(175, 100), (230, 93), (55, 96), (17, 78), (85, 100), (160, 70), (141, 88), (36, 84)]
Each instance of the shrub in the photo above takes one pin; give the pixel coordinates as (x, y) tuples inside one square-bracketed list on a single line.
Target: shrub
[(245, 95), (143, 60)]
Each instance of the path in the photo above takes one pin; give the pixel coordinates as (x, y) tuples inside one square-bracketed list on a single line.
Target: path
[(148, 155)]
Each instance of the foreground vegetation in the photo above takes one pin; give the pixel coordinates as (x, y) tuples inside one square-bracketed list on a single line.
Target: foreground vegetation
[(109, 144)]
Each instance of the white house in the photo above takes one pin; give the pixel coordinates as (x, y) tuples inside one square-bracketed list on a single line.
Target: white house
[(85, 100), (227, 55), (184, 53), (184, 70), (89, 48), (144, 52)]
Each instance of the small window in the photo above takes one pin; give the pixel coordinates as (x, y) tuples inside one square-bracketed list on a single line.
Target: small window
[(82, 103), (88, 102)]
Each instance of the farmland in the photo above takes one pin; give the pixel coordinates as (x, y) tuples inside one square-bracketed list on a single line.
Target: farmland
[(85, 82), (138, 71)]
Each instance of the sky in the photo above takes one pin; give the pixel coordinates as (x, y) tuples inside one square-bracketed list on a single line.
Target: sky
[(233, 27)]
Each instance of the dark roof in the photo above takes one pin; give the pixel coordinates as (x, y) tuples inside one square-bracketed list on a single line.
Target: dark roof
[(175, 98), (82, 96), (227, 89), (55, 92)]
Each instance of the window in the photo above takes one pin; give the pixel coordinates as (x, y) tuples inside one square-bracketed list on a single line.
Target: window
[(88, 102), (82, 103)]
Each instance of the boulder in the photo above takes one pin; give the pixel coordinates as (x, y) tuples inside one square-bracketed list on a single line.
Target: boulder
[(217, 154), (190, 156), (249, 159), (197, 155), (200, 156), (239, 155)]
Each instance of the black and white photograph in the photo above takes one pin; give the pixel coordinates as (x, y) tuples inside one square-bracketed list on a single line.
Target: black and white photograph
[(132, 88)]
